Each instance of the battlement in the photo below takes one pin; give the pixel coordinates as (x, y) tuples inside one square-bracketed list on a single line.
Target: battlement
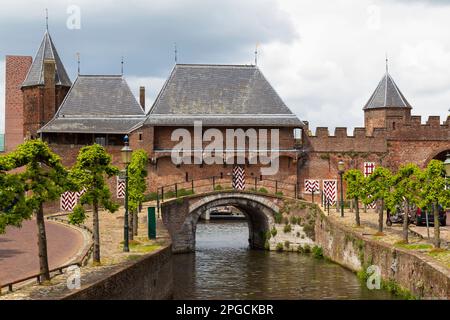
[(340, 141), (432, 129)]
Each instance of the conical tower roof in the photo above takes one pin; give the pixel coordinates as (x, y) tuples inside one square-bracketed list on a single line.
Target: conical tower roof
[(387, 95), (47, 50)]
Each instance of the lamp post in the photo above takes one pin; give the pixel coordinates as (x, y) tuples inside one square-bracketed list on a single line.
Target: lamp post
[(447, 169), (341, 167), (126, 159)]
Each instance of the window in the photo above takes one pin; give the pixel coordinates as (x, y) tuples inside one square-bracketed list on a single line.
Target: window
[(101, 140), (297, 134), (140, 136)]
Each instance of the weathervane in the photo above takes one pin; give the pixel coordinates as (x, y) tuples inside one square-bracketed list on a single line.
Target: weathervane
[(175, 49), (256, 54), (121, 66), (46, 19), (387, 64), (78, 62)]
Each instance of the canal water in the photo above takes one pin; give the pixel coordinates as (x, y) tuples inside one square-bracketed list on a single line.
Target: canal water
[(223, 267)]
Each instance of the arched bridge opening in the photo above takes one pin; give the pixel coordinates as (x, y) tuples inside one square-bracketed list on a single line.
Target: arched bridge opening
[(181, 215)]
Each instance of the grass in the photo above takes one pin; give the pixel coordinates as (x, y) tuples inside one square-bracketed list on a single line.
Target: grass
[(413, 246), (441, 255)]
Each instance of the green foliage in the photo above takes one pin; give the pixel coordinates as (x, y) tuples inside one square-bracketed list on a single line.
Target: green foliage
[(287, 244), (294, 220), (152, 196), (218, 187), (78, 215), (432, 183), (90, 171), (42, 178), (356, 184), (184, 192), (279, 247), (287, 228), (137, 172), (405, 187), (169, 194), (378, 185), (273, 231), (317, 252), (278, 217), (267, 245), (263, 190), (307, 248), (279, 193)]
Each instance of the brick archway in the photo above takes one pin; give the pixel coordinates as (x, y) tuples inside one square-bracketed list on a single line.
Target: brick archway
[(439, 155), (181, 216)]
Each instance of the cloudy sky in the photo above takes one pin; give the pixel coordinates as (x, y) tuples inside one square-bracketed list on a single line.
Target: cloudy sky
[(324, 58)]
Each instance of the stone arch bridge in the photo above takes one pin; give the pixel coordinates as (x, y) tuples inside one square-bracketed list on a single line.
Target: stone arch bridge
[(180, 215)]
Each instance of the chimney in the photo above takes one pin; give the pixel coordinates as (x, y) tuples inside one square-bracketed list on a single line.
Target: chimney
[(49, 107), (142, 97)]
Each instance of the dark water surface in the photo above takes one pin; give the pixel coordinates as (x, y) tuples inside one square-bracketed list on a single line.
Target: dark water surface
[(223, 267)]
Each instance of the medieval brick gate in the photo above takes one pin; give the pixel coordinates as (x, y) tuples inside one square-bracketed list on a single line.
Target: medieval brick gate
[(180, 216)]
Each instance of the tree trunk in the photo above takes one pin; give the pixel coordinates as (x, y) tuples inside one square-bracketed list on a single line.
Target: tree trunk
[(380, 217), (437, 237), (42, 245), (135, 224), (405, 223), (96, 227), (358, 221), (130, 225), (351, 206)]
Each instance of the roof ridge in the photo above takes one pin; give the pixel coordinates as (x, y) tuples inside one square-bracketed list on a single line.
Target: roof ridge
[(218, 65)]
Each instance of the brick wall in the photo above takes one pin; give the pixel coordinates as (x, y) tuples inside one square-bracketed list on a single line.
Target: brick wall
[(16, 71)]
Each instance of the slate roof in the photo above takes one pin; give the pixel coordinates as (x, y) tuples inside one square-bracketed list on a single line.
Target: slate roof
[(97, 104), (35, 75), (219, 95), (387, 95)]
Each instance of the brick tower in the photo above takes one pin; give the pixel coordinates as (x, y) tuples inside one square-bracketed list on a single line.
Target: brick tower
[(44, 88), (387, 107)]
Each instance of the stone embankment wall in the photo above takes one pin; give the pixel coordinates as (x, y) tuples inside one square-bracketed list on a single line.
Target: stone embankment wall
[(147, 278), (413, 271)]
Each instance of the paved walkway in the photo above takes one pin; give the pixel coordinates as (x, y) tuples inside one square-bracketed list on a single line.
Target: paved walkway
[(19, 250)]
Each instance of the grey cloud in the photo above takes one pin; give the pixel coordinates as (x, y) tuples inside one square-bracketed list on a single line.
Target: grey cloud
[(145, 32)]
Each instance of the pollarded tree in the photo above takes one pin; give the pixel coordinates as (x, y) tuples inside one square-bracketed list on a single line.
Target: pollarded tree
[(356, 185), (434, 193), (137, 172), (405, 192), (41, 178), (378, 187), (90, 172)]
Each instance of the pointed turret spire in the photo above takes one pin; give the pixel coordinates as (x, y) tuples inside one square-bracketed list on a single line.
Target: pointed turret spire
[(387, 94), (47, 51)]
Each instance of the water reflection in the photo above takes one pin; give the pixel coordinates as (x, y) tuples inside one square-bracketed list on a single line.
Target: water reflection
[(224, 268)]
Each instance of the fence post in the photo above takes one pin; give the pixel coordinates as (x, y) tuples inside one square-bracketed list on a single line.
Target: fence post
[(214, 182), (276, 186), (192, 185), (256, 184), (157, 199), (312, 195), (162, 194), (295, 191), (176, 190)]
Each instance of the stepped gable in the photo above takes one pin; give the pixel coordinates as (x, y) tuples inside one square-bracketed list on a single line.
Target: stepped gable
[(97, 104), (46, 51), (219, 95)]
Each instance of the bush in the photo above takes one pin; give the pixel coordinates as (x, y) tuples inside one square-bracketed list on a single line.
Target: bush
[(279, 247), (287, 228), (169, 194), (287, 244), (263, 190), (300, 249), (152, 196), (279, 193), (307, 248), (273, 231), (286, 220), (184, 192), (317, 252), (278, 217), (218, 187), (294, 220), (298, 234), (267, 245)]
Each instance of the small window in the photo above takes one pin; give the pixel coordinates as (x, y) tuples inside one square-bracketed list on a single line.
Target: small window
[(140, 136), (297, 133), (100, 140), (393, 125)]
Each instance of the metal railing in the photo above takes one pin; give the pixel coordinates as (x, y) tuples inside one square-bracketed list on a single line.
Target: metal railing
[(55, 271), (225, 182)]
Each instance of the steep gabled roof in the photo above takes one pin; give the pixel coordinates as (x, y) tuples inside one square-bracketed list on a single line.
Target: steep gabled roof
[(387, 95), (97, 104), (219, 95), (46, 51)]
